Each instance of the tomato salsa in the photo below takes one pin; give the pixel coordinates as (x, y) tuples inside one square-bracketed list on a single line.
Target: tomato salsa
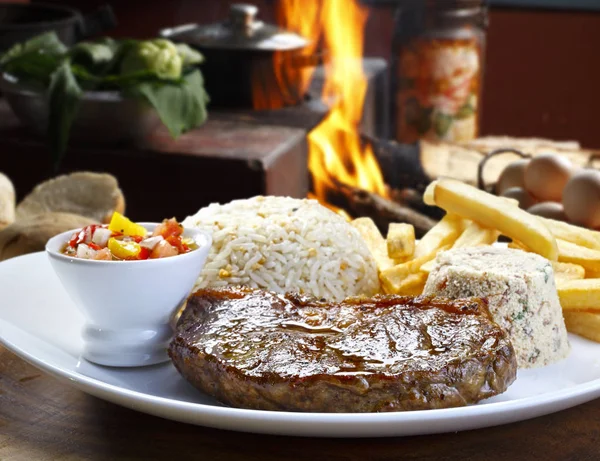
[(124, 240)]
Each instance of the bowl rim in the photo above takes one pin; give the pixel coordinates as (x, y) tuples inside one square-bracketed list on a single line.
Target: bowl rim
[(63, 236), (74, 16)]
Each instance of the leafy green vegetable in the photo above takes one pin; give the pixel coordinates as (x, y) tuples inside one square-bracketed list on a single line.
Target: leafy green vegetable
[(64, 95), (35, 68), (95, 56), (189, 55), (160, 56), (47, 43), (158, 71), (35, 60), (180, 107)]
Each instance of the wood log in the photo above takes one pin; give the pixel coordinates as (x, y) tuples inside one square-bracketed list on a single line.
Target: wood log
[(358, 202)]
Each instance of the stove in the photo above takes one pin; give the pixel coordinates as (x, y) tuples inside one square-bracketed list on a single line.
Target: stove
[(235, 154)]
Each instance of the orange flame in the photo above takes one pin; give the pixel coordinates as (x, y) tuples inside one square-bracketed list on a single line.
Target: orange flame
[(302, 17), (273, 90), (335, 148)]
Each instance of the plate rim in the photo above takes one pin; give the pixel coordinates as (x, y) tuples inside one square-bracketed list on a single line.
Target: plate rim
[(537, 405)]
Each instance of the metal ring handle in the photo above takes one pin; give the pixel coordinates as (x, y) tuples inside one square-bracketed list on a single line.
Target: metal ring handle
[(489, 155)]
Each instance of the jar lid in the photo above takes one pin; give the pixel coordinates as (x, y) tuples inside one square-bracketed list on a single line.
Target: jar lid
[(456, 13), (241, 31), (455, 4)]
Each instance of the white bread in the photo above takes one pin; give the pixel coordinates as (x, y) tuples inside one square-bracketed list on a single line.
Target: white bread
[(30, 234), (94, 195), (7, 201), (521, 295)]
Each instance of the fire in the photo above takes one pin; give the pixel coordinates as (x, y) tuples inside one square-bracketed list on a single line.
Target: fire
[(335, 148), (302, 17), (270, 91)]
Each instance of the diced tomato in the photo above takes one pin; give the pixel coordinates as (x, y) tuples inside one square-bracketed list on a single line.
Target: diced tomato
[(144, 253), (163, 250), (177, 243), (103, 255), (77, 238), (126, 245), (168, 228), (83, 236)]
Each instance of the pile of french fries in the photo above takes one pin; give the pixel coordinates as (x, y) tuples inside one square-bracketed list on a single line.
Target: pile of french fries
[(475, 217)]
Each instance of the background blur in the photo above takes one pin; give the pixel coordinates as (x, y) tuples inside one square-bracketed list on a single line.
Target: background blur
[(542, 63)]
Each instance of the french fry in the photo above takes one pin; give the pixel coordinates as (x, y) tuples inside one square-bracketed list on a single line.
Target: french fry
[(428, 195), (400, 241), (574, 234), (572, 253), (563, 272), (493, 212), (428, 266), (516, 245), (394, 275), (475, 235), (413, 285), (580, 295), (584, 324), (590, 274), (445, 232), (392, 278), (375, 242)]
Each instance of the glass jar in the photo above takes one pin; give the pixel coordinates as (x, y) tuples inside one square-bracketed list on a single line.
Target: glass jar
[(438, 68)]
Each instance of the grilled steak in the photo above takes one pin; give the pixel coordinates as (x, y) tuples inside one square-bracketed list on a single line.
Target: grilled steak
[(256, 349)]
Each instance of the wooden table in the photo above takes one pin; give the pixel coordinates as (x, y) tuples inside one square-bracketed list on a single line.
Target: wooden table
[(43, 419)]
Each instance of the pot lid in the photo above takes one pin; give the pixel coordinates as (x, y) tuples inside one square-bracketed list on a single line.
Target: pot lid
[(240, 31)]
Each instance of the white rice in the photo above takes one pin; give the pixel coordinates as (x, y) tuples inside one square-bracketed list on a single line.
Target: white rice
[(285, 245)]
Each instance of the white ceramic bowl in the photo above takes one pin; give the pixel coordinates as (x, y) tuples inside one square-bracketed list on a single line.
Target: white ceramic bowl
[(128, 305)]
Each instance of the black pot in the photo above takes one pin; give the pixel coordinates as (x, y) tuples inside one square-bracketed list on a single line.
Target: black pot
[(250, 79), (20, 22), (248, 64)]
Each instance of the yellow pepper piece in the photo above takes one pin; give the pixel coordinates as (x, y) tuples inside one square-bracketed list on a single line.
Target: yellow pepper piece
[(125, 226), (124, 250)]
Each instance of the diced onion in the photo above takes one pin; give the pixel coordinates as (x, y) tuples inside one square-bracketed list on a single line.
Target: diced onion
[(85, 252), (151, 242), (88, 234), (101, 236)]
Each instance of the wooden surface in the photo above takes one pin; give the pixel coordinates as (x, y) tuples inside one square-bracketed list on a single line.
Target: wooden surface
[(43, 419), (223, 160)]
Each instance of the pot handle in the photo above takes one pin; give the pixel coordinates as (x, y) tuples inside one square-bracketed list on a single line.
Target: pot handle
[(96, 22)]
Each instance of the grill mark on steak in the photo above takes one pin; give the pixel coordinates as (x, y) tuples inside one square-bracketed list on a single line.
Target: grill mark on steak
[(255, 349)]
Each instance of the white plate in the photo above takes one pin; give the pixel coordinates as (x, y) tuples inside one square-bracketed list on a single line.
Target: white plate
[(40, 324)]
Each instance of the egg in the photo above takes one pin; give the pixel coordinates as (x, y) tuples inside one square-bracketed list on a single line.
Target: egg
[(552, 210), (512, 176), (524, 198), (546, 176), (581, 198)]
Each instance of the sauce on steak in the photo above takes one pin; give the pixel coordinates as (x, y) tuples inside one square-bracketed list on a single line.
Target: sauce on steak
[(256, 349)]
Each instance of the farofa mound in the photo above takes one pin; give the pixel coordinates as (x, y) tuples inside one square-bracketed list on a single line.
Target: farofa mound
[(521, 295), (284, 245)]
